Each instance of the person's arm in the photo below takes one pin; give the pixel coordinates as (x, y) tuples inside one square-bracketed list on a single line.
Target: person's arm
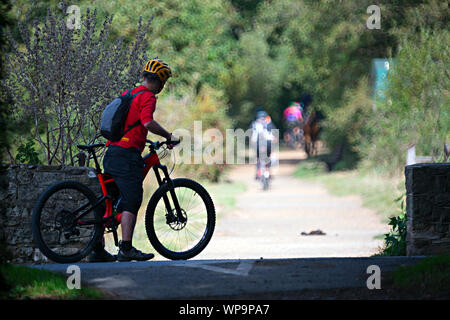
[(152, 125), (156, 128)]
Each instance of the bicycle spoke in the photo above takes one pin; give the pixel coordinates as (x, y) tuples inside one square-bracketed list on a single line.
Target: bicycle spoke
[(189, 234), (58, 230)]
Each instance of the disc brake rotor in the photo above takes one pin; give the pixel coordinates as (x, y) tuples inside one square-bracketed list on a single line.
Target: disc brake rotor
[(174, 222)]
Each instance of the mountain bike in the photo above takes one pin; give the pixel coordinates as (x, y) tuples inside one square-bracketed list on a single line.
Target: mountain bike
[(293, 136), (69, 218), (263, 165), (263, 174)]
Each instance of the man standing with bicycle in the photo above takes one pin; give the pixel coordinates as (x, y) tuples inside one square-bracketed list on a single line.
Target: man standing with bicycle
[(124, 163)]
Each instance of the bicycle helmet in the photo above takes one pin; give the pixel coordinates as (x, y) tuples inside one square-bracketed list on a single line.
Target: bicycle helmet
[(261, 114), (159, 68)]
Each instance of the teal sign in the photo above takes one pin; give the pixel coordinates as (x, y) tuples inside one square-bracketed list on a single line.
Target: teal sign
[(380, 69)]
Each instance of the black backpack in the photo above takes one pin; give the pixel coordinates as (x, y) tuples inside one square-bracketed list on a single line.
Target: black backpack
[(112, 124)]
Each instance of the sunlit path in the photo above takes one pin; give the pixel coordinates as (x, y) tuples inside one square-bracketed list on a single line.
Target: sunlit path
[(269, 223)]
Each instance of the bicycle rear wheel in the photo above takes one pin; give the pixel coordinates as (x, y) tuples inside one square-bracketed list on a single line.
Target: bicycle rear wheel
[(57, 231), (180, 238)]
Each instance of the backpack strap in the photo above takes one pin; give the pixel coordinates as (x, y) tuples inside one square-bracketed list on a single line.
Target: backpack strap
[(131, 126), (134, 95)]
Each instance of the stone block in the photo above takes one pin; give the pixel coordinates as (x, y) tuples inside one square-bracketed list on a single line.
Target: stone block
[(21, 187), (442, 183), (442, 199), (428, 209)]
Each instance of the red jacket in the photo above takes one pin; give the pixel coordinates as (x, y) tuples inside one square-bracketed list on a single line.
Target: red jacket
[(142, 109)]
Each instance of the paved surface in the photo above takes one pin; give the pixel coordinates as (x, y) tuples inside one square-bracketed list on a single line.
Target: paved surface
[(269, 223), (199, 279)]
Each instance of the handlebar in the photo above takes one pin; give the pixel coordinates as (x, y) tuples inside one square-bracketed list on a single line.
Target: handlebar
[(155, 145)]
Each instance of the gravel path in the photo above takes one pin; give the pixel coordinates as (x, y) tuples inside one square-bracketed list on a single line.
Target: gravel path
[(269, 223)]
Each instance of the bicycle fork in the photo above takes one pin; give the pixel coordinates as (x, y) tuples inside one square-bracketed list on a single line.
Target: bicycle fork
[(169, 182)]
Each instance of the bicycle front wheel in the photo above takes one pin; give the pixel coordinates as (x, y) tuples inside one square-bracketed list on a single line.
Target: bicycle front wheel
[(180, 237), (57, 231)]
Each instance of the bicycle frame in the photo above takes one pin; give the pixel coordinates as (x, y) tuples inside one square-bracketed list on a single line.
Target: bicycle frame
[(151, 160)]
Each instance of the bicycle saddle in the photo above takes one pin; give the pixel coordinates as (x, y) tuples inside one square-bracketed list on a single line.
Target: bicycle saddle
[(90, 147)]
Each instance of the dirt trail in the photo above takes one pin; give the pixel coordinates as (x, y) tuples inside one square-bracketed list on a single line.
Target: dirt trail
[(269, 223)]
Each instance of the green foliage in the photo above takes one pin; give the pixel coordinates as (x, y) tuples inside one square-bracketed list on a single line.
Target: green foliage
[(417, 108), (26, 153), (348, 125), (5, 100), (430, 275), (194, 37), (395, 240), (207, 107)]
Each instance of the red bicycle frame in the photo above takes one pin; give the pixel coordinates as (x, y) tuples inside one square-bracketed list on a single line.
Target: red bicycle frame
[(151, 160)]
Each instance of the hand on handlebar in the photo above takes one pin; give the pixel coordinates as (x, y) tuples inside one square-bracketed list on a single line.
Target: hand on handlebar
[(172, 142)]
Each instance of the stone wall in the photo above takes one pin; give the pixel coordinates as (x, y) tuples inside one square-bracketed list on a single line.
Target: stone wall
[(428, 208), (20, 187)]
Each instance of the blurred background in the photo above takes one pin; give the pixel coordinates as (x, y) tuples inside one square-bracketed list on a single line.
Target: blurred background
[(379, 91)]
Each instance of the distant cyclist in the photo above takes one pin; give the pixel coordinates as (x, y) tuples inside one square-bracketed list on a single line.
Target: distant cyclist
[(262, 137), (293, 118), (293, 113)]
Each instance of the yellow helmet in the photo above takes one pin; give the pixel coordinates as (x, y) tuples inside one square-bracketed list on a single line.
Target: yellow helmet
[(158, 67)]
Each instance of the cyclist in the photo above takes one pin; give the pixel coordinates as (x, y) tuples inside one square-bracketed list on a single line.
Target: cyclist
[(263, 137), (124, 163), (293, 112), (293, 119)]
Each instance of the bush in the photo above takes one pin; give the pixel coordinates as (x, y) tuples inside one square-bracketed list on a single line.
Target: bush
[(395, 240), (348, 125), (209, 108), (417, 107), (63, 77), (27, 154)]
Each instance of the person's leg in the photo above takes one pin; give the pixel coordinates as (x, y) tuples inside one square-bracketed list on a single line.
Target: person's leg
[(258, 163), (130, 203), (128, 222), (126, 250), (132, 191), (125, 166)]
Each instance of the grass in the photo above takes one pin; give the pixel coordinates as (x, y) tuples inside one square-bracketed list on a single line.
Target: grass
[(224, 195), (29, 283), (377, 192), (430, 275)]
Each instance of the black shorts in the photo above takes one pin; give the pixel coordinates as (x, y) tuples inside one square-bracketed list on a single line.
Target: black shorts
[(268, 150), (125, 166)]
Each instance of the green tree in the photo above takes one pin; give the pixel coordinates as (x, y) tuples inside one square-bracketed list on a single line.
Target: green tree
[(417, 108)]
